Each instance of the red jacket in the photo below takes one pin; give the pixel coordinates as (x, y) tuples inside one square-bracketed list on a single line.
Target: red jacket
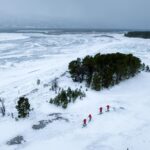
[(108, 107), (101, 109), (90, 116), (84, 121)]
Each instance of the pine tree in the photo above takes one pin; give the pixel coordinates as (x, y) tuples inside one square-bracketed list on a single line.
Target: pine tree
[(96, 82), (23, 107)]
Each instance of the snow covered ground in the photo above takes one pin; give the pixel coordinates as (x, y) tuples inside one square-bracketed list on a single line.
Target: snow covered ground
[(26, 57)]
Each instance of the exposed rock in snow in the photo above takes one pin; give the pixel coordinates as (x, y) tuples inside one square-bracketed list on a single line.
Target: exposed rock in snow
[(16, 140), (43, 123)]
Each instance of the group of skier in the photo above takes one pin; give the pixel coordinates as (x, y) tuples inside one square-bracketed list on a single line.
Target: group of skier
[(90, 116)]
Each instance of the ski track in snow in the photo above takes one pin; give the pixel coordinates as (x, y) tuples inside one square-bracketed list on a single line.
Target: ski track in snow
[(26, 57)]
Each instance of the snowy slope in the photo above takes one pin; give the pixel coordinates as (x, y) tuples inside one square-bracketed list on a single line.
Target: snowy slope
[(28, 57)]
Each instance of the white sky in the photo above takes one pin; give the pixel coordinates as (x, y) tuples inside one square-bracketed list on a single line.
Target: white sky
[(134, 14)]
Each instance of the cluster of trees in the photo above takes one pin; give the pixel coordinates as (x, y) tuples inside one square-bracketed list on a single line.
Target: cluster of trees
[(67, 96), (103, 71), (140, 34), (23, 107)]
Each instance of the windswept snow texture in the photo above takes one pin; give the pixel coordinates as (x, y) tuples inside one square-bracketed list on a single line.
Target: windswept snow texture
[(26, 57)]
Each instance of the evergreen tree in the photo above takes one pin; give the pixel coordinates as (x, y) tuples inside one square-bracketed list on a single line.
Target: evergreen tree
[(76, 70), (23, 107), (96, 82)]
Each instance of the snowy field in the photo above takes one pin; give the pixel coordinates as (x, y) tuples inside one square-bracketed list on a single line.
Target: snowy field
[(26, 57)]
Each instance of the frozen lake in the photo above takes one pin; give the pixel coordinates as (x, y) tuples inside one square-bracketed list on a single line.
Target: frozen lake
[(26, 57)]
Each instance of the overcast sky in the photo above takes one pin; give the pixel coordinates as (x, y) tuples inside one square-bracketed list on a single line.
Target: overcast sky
[(121, 14)]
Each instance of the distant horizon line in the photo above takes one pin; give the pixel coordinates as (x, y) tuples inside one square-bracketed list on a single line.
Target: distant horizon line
[(72, 29)]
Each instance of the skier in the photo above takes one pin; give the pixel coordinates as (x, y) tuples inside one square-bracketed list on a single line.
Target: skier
[(108, 107), (90, 117), (84, 123), (101, 110)]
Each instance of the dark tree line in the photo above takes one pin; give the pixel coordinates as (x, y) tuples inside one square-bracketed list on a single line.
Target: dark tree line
[(139, 34), (104, 70), (67, 96)]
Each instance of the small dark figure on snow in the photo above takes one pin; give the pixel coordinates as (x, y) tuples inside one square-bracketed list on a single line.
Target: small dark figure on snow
[(84, 122), (38, 81), (101, 110), (90, 117), (108, 108)]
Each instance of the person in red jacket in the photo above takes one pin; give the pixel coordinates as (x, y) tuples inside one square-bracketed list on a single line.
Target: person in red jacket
[(90, 117), (84, 122), (108, 107), (101, 110)]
